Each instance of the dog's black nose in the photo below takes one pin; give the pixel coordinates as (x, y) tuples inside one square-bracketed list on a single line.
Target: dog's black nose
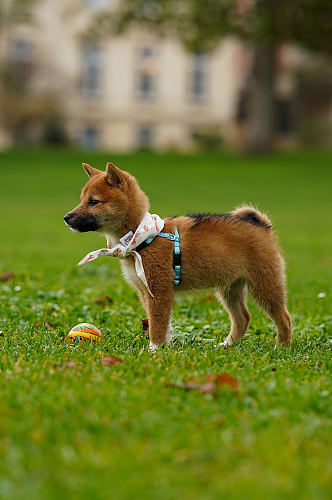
[(67, 218)]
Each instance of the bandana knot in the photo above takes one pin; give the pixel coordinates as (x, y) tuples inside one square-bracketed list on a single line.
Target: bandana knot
[(149, 227)]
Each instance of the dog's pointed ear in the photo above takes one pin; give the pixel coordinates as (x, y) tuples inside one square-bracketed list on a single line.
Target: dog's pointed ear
[(114, 175), (90, 170)]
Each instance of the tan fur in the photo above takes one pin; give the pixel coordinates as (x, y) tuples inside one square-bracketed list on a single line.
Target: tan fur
[(231, 254)]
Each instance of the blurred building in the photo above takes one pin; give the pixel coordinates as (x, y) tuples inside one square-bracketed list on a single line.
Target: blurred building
[(62, 78), (124, 92)]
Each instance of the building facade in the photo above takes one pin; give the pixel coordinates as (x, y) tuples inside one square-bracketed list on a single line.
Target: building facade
[(126, 92), (63, 76)]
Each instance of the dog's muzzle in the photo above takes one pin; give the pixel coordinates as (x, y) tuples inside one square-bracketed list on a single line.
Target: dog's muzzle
[(81, 223)]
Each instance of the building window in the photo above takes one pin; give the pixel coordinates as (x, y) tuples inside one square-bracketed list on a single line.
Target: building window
[(284, 117), (21, 52), (147, 74), (144, 137), (90, 138), (91, 71), (96, 4), (20, 65), (197, 77)]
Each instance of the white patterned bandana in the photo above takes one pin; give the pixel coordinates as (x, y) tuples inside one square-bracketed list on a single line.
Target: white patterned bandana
[(150, 226)]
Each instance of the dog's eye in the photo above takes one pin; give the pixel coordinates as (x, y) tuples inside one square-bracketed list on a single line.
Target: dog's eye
[(93, 202)]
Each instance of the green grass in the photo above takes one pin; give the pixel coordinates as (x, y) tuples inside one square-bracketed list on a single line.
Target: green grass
[(121, 432)]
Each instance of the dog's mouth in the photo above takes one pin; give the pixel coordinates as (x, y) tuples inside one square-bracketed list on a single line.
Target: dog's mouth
[(81, 223)]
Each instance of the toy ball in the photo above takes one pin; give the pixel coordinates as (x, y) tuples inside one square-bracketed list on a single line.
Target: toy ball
[(84, 332)]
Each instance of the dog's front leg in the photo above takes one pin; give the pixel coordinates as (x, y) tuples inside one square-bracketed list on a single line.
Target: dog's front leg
[(143, 296), (159, 310)]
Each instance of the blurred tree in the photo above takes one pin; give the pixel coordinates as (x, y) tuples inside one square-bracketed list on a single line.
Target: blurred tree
[(16, 66), (28, 115), (14, 11), (262, 24)]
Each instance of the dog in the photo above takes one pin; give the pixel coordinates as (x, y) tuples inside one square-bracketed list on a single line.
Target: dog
[(232, 253)]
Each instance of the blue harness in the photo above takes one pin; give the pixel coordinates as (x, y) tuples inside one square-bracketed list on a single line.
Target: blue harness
[(176, 252)]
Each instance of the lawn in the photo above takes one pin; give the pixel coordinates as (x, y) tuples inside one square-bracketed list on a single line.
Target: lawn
[(72, 427)]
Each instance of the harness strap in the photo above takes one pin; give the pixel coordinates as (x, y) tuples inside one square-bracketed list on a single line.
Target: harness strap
[(176, 252), (144, 244), (177, 258)]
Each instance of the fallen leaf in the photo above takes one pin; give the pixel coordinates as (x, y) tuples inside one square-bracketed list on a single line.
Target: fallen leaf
[(209, 384), (223, 379), (208, 298), (110, 360), (190, 385), (7, 276), (207, 388), (69, 364), (72, 364), (145, 325), (103, 300)]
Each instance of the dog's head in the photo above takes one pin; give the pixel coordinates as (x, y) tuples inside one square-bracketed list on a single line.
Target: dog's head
[(107, 200)]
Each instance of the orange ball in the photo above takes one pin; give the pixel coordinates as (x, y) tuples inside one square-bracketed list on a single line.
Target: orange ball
[(84, 332)]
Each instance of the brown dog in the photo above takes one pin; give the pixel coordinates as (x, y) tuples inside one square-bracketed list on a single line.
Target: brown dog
[(229, 252)]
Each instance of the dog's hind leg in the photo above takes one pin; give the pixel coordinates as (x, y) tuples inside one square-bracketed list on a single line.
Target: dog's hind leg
[(270, 294), (234, 301), (159, 308)]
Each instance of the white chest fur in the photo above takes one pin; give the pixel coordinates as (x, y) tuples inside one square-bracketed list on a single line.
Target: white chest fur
[(129, 273), (127, 265)]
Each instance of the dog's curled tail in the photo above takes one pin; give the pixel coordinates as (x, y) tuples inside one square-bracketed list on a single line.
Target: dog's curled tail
[(252, 215)]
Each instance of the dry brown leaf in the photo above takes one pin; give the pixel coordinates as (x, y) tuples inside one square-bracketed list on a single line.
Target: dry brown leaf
[(190, 385), (73, 364), (69, 364), (103, 300), (210, 298), (223, 379), (110, 360), (209, 384), (145, 325), (207, 388), (7, 276)]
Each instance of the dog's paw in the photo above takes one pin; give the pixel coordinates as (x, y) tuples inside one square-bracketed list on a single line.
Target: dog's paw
[(224, 344), (153, 347), (169, 335)]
